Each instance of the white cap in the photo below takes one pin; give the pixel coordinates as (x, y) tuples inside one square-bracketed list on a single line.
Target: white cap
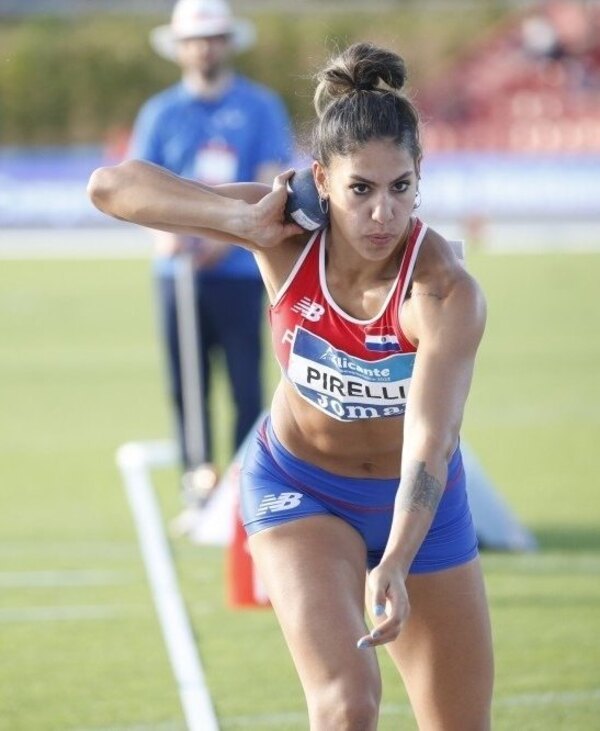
[(201, 19)]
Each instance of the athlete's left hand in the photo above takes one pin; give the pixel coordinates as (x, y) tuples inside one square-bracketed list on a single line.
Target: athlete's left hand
[(390, 606)]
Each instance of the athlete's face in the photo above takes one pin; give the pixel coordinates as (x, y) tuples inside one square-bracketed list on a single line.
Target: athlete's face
[(207, 56), (371, 197)]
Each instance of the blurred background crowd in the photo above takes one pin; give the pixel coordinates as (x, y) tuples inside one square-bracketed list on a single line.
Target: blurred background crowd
[(509, 92)]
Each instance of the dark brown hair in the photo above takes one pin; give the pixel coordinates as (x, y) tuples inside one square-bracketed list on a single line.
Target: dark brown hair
[(358, 98)]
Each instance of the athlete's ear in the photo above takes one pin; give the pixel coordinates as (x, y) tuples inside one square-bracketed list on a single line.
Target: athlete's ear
[(321, 180)]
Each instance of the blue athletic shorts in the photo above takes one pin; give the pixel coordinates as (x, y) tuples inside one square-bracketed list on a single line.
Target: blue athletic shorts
[(277, 487)]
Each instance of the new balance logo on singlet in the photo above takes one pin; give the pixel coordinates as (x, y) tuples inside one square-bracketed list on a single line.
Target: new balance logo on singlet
[(312, 311), (277, 503)]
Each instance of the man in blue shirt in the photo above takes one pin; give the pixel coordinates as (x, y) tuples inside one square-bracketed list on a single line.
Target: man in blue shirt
[(215, 126)]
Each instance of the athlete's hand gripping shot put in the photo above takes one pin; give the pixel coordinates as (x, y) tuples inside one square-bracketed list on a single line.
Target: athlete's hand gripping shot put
[(353, 488)]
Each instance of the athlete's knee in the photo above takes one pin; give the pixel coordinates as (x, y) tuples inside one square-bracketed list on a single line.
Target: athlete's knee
[(356, 714), (346, 708)]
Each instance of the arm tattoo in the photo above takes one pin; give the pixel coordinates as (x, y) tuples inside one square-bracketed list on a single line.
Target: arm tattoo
[(418, 490)]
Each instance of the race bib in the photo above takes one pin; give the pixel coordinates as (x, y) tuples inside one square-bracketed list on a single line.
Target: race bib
[(347, 387)]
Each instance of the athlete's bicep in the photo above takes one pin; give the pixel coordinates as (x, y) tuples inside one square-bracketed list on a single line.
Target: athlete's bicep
[(449, 334), (146, 194), (438, 392)]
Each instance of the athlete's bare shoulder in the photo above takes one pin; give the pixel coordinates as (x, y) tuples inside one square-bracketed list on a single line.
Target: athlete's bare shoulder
[(441, 290), (437, 267)]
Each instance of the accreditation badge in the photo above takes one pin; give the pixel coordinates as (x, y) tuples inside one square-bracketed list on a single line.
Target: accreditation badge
[(216, 163)]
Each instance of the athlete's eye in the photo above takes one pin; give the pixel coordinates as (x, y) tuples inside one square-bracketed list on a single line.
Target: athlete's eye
[(402, 186), (360, 188)]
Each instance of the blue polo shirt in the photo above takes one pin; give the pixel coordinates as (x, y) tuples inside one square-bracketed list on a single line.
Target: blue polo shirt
[(221, 140)]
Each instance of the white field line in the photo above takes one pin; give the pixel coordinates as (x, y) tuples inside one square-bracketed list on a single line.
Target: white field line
[(43, 579), (162, 726), (547, 561), (550, 698), (107, 550), (18, 615), (136, 460), (275, 720), (522, 700)]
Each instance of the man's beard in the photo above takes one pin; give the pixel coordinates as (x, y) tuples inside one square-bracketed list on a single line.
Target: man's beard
[(212, 71)]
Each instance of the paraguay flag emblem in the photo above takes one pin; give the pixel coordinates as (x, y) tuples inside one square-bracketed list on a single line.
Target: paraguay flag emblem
[(381, 339)]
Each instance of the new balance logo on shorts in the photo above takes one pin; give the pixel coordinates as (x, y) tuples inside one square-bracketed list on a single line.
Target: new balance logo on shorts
[(277, 503), (312, 311)]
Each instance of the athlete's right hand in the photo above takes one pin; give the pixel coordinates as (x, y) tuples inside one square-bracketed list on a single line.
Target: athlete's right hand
[(386, 586), (268, 226)]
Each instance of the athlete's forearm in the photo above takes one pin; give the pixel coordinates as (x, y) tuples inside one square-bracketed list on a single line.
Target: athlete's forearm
[(148, 195), (419, 493)]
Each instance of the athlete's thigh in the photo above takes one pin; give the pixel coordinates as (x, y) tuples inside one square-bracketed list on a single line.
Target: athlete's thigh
[(314, 572), (444, 652)]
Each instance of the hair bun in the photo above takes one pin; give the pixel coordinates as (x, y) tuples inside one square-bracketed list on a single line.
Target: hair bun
[(361, 67), (359, 98)]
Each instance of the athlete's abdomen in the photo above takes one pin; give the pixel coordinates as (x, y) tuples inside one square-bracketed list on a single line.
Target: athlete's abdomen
[(359, 448)]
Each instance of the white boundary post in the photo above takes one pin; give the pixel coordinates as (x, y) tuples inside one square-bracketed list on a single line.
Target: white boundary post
[(188, 332), (135, 460)]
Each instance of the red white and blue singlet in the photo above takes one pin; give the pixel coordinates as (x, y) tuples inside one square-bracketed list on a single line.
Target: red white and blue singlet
[(348, 368)]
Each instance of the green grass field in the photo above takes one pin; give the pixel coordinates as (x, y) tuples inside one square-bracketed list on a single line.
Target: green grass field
[(80, 646)]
